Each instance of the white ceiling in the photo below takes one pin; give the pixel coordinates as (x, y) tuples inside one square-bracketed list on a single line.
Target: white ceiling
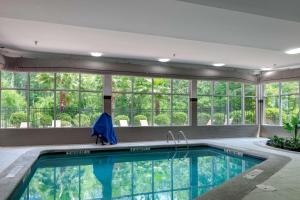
[(148, 29)]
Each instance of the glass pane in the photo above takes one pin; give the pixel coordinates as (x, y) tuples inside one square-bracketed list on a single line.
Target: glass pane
[(121, 108), (121, 83), (67, 182), (180, 110), (68, 81), (91, 82), (205, 171), (42, 185), (250, 90), (162, 175), (41, 109), (235, 107), (91, 107), (250, 110), (272, 110), (271, 89), (235, 88), (142, 173), (13, 79), (181, 173), (162, 110), (290, 107), (180, 86), (67, 110), (162, 196), (220, 88), (121, 180), (220, 110), (291, 87), (204, 110), (13, 109), (41, 80), (204, 87), (181, 194), (142, 109), (162, 85), (90, 186), (142, 84)]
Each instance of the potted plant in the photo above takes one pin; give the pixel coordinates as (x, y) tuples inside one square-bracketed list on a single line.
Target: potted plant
[(292, 127)]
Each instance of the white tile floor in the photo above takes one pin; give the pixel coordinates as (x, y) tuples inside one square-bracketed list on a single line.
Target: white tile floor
[(286, 181)]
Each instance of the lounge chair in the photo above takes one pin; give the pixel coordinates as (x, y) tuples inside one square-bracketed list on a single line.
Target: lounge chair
[(144, 122), (123, 123)]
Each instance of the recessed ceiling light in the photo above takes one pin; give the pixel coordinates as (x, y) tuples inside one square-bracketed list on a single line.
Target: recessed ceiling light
[(164, 59), (266, 68), (218, 64), (293, 51), (96, 54)]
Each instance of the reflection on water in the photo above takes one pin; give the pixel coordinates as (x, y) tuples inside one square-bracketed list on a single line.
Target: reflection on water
[(138, 176)]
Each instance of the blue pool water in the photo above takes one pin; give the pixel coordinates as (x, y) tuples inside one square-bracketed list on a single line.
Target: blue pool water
[(156, 174)]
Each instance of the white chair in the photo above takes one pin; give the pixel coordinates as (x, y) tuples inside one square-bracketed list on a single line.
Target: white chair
[(209, 123), (144, 122), (57, 123), (23, 125), (123, 123), (225, 122)]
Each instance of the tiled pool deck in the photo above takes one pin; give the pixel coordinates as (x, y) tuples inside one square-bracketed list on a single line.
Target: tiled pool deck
[(286, 180)]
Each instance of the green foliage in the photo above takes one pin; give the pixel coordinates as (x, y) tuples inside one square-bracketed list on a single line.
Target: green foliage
[(64, 117), (249, 117), (137, 119), (236, 116), (284, 143), (179, 118), (162, 119), (94, 117), (45, 120), (272, 115), (13, 100), (219, 118), (203, 118), (120, 117), (84, 120), (18, 117), (66, 124), (46, 102), (292, 126)]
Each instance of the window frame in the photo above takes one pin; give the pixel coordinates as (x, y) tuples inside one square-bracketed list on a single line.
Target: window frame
[(28, 90), (228, 95), (279, 96), (152, 93)]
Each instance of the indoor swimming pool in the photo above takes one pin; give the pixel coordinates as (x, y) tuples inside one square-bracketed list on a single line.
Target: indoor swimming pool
[(139, 174)]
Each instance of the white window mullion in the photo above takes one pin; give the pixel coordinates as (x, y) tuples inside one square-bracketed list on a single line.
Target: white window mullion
[(27, 93), (171, 102), (228, 102), (280, 104), (243, 103), (212, 101), (54, 111)]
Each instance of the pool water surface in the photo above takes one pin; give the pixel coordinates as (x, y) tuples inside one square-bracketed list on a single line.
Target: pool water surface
[(155, 174)]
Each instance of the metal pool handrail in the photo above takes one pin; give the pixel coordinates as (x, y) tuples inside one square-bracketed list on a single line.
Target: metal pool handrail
[(181, 133), (172, 136)]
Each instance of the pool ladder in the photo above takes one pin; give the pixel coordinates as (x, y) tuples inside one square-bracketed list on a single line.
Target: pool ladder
[(176, 142), (179, 134)]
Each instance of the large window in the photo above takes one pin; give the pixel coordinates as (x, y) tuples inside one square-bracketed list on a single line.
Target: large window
[(226, 103), (47, 100), (281, 102), (142, 101)]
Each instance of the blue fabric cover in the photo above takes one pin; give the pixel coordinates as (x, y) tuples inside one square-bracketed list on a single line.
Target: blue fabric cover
[(104, 127)]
